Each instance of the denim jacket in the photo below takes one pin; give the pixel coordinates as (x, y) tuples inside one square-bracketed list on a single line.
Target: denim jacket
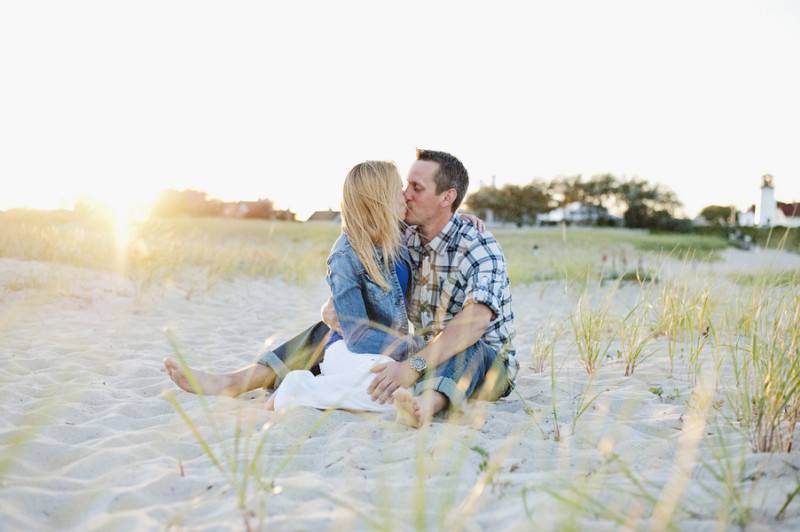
[(367, 313)]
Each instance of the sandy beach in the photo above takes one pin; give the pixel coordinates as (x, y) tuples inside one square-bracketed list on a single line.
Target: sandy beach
[(611, 187), (88, 439)]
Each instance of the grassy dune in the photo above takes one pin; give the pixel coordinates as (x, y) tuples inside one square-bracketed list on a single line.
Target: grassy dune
[(222, 248), (161, 249)]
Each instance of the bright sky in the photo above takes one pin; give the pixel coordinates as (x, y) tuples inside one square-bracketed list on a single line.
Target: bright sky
[(279, 99)]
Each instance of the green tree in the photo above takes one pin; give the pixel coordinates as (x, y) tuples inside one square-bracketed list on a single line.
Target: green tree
[(644, 204), (647, 205), (718, 214), (511, 203), (484, 200), (601, 190), (566, 189)]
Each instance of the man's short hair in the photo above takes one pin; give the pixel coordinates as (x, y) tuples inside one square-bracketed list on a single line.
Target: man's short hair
[(451, 173)]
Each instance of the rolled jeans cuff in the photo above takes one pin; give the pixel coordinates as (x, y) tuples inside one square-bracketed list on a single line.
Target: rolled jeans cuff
[(271, 360), (444, 385)]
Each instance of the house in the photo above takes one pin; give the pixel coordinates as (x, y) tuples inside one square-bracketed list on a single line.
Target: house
[(747, 218), (326, 216), (576, 213), (788, 214)]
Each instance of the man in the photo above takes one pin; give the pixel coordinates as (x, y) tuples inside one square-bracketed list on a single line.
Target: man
[(461, 308)]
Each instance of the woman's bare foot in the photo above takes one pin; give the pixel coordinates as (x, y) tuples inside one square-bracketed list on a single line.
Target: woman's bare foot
[(208, 383)]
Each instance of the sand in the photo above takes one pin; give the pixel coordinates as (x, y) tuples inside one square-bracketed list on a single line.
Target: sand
[(89, 441)]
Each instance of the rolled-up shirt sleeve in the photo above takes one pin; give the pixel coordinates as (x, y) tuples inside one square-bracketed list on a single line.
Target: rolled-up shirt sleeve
[(485, 277)]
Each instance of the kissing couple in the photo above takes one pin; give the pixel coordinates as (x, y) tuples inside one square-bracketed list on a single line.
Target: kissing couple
[(419, 319)]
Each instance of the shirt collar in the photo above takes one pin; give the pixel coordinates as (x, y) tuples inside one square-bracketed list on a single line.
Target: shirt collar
[(413, 240), (438, 244)]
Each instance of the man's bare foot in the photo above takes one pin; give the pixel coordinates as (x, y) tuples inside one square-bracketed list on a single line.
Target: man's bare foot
[(417, 411), (409, 410), (208, 383)]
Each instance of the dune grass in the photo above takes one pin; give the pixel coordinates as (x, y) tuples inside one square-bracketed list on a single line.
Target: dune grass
[(162, 249), (590, 325), (634, 337), (166, 249), (766, 365), (767, 278), (544, 344), (684, 311)]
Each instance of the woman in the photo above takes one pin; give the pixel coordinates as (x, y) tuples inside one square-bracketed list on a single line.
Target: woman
[(369, 273)]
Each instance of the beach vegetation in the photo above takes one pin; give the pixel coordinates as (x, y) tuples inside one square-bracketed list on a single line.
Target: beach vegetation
[(543, 346), (589, 328), (635, 335), (159, 250), (765, 392)]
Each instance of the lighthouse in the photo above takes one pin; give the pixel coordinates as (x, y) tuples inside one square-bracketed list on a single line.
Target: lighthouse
[(766, 215)]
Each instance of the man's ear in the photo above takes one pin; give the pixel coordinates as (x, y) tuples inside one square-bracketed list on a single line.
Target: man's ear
[(449, 197)]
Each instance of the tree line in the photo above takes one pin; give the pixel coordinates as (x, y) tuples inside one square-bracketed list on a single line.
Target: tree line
[(642, 204), (195, 203)]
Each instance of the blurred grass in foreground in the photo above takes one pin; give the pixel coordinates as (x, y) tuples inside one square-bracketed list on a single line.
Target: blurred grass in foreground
[(159, 249)]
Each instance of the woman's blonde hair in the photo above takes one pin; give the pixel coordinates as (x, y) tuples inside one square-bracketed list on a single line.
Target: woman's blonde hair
[(370, 217)]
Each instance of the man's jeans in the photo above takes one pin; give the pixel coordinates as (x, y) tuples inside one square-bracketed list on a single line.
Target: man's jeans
[(478, 372)]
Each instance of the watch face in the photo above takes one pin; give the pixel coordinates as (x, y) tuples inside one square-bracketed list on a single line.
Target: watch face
[(418, 363)]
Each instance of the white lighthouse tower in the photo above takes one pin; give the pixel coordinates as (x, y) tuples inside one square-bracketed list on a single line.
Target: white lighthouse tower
[(766, 215)]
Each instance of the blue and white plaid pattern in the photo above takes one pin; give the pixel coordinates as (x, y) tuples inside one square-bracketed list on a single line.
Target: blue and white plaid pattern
[(460, 265)]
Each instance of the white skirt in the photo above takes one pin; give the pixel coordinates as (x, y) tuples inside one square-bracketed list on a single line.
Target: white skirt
[(343, 383)]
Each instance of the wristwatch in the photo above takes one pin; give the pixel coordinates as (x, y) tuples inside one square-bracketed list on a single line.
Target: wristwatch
[(418, 364)]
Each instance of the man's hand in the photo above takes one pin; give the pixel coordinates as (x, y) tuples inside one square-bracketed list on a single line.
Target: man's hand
[(390, 376), (329, 316), (474, 220)]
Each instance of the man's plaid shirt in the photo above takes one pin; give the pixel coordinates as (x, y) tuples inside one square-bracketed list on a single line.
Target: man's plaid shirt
[(460, 265)]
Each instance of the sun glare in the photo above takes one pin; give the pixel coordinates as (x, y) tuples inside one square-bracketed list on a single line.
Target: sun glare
[(122, 229), (124, 214)]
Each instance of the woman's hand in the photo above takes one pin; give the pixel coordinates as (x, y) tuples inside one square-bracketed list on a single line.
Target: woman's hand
[(329, 317), (474, 220)]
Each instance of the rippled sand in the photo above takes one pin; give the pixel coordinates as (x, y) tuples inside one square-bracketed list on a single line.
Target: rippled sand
[(88, 440)]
